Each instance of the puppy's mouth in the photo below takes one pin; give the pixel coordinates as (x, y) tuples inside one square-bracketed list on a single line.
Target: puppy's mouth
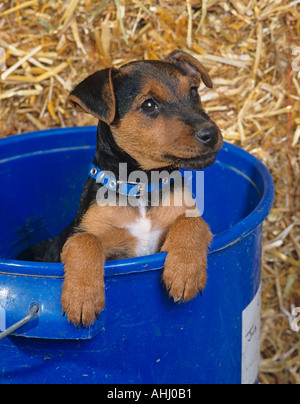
[(193, 163)]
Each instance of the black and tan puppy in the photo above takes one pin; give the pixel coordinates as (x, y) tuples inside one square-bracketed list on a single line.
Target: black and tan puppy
[(151, 118)]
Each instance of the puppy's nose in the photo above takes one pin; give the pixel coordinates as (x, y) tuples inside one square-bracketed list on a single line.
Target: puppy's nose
[(209, 136)]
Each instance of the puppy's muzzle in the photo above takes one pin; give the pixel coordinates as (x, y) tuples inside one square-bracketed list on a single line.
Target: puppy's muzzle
[(209, 136)]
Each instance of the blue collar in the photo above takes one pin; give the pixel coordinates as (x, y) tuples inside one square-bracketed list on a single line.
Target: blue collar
[(126, 188)]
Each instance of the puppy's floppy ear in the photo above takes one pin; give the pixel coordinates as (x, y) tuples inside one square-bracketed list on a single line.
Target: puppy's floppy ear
[(190, 65), (95, 95)]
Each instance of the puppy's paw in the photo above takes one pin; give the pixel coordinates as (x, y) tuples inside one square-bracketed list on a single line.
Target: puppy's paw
[(185, 274), (83, 296), (81, 303)]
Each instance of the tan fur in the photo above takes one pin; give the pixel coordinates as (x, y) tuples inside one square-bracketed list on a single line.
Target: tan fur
[(108, 232), (110, 223), (150, 142), (106, 237), (185, 266), (83, 294)]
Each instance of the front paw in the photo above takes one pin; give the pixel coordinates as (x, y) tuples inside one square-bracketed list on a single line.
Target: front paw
[(185, 274), (82, 303)]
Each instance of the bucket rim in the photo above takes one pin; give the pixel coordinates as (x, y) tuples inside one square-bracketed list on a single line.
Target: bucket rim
[(221, 241)]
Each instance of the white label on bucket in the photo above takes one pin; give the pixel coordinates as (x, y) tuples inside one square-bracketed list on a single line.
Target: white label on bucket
[(2, 320), (251, 340)]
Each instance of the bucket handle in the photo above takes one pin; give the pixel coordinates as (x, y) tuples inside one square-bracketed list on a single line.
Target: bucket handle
[(33, 313)]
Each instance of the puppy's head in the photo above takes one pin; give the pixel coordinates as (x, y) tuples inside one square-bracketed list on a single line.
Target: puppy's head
[(154, 111)]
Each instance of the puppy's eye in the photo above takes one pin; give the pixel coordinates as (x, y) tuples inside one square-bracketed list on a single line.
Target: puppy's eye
[(149, 106)]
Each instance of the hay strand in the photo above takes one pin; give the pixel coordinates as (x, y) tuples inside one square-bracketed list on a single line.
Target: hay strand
[(20, 62), (18, 7)]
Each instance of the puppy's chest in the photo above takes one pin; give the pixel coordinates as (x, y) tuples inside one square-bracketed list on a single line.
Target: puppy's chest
[(143, 228)]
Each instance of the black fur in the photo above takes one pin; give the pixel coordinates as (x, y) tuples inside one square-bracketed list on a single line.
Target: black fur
[(88, 91), (108, 154)]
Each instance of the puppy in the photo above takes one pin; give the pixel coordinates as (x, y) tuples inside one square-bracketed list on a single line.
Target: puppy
[(151, 119)]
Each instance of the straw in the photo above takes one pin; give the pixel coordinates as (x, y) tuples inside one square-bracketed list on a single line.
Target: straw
[(19, 63), (18, 8)]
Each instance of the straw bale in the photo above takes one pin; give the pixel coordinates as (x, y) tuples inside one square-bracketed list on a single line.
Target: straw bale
[(251, 49)]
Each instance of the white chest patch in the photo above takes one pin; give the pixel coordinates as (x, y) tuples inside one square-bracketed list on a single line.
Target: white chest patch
[(147, 237)]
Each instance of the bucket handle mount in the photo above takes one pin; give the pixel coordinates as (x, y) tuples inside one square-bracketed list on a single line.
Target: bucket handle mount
[(33, 313)]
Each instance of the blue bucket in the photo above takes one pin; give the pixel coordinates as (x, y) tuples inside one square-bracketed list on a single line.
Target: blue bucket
[(142, 336)]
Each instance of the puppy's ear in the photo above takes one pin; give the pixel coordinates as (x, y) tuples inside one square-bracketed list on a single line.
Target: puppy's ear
[(190, 65), (95, 95)]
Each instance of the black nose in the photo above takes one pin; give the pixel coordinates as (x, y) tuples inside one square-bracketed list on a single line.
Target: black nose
[(209, 136)]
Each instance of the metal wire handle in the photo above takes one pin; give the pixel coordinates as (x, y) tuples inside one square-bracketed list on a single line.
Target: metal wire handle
[(33, 313)]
